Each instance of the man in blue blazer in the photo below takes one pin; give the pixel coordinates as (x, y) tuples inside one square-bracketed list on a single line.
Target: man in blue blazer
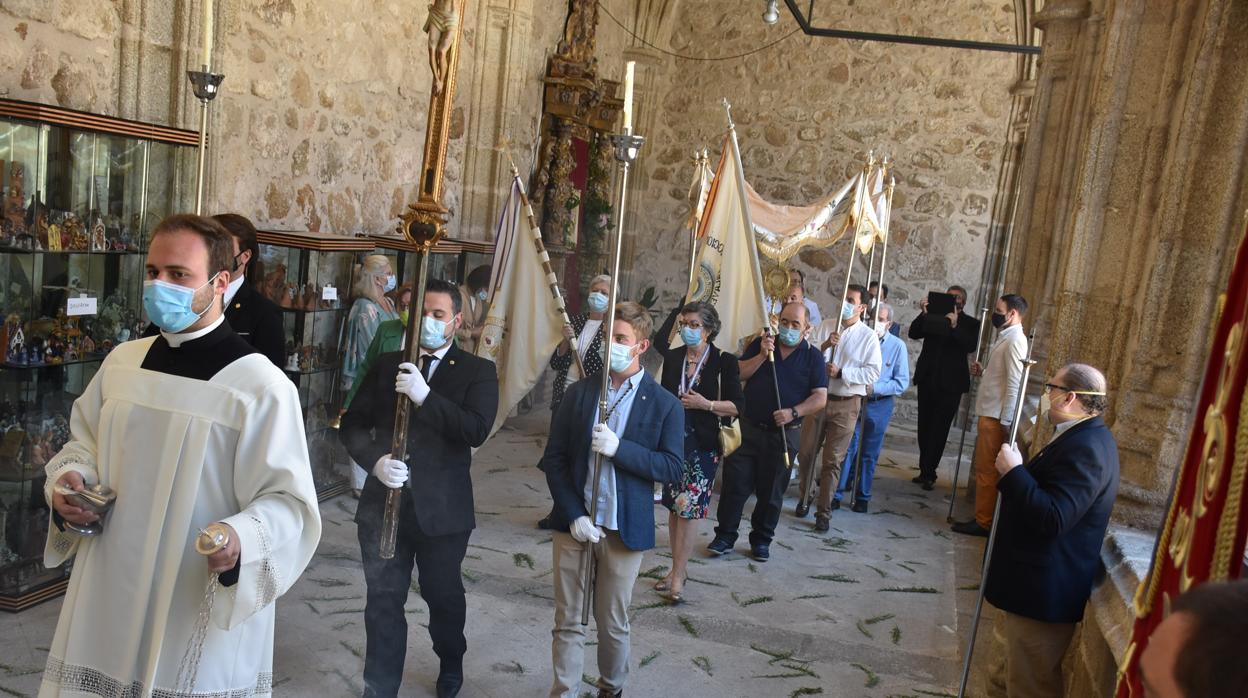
[(641, 443), (1054, 513)]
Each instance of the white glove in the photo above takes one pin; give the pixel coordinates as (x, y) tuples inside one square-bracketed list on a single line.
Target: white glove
[(392, 473), (411, 382), (604, 441), (583, 530)]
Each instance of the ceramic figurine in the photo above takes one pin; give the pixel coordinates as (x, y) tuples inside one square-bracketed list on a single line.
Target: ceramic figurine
[(99, 243)]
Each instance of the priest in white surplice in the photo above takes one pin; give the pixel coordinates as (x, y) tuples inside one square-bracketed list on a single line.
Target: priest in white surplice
[(189, 428)]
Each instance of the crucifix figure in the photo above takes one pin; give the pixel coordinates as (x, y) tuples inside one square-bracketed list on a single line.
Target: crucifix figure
[(443, 19)]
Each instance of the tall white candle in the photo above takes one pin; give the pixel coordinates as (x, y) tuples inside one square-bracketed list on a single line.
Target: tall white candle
[(207, 58), (628, 96)]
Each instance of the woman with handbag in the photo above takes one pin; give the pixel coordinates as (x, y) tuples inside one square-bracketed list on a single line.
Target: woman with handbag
[(708, 384)]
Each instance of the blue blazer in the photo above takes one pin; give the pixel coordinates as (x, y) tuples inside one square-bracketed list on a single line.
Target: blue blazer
[(1054, 513), (651, 450)]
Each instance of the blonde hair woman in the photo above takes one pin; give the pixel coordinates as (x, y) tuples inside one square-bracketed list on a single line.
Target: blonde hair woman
[(374, 278)]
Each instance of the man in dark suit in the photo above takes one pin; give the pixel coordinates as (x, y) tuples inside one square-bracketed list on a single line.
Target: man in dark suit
[(1054, 513), (942, 375), (253, 317), (641, 443), (455, 396)]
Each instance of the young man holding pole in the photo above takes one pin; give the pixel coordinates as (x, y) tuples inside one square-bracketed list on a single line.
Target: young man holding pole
[(455, 396), (641, 443), (994, 405)]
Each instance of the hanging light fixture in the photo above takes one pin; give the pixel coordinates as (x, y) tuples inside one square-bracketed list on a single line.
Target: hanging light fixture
[(772, 15)]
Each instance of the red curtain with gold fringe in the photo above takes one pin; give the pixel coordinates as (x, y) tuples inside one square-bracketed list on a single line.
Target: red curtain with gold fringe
[(1203, 536)]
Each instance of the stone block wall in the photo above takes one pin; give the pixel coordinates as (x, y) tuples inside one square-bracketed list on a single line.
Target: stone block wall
[(807, 112)]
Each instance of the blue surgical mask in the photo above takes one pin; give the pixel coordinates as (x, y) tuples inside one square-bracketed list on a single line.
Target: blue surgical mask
[(621, 357), (790, 336), (847, 310), (597, 302), (170, 306), (432, 332), (690, 336), (391, 282), (482, 295)]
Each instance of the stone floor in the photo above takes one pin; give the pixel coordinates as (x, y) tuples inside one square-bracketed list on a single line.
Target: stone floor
[(877, 607)]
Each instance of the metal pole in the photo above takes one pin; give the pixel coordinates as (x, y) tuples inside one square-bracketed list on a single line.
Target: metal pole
[(204, 85), (403, 410), (966, 418), (626, 147), (996, 516)]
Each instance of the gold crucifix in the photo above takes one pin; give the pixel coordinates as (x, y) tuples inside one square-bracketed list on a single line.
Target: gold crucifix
[(424, 221)]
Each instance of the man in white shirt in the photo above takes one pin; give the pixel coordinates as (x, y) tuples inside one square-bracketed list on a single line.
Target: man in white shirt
[(994, 405), (853, 356)]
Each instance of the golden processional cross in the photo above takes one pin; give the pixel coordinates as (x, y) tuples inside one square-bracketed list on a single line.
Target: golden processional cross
[(424, 222)]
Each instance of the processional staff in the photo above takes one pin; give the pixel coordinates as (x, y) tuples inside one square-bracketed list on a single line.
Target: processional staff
[(627, 145), (551, 280), (757, 271), (996, 517)]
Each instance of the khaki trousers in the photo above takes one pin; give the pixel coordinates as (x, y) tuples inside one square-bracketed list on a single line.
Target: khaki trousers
[(840, 419), (808, 449), (615, 573), (1029, 663), (991, 435)]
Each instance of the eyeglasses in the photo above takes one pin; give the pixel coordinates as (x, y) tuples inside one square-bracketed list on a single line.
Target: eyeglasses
[(1052, 386), (691, 325)]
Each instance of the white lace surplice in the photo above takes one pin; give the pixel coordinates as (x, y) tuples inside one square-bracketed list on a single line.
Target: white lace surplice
[(168, 446)]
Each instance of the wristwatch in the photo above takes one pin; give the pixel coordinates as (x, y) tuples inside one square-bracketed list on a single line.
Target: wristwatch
[(793, 411)]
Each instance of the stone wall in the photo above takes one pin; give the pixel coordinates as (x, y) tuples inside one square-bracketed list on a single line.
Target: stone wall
[(807, 111), (320, 122)]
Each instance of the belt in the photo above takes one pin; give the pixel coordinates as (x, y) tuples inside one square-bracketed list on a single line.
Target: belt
[(771, 426), (877, 398), (842, 398)]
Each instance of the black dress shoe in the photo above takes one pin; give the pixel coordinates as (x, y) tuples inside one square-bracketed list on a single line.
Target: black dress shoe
[(919, 479), (544, 523), (836, 504), (969, 528), (821, 523), (449, 684), (929, 485), (802, 510), (719, 546), (860, 506), (761, 553)]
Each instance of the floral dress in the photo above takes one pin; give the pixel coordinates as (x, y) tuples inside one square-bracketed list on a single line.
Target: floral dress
[(691, 497)]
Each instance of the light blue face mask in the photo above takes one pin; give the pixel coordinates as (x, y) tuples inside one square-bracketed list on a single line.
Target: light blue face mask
[(597, 302), (391, 282), (847, 310), (170, 306), (432, 332), (690, 336), (621, 357), (790, 336)]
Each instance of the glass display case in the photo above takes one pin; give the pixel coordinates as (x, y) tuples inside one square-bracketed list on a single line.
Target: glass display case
[(451, 259), (78, 194), (309, 275)]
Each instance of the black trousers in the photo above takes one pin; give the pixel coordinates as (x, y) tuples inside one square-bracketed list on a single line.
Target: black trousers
[(437, 560), (937, 410), (757, 468)]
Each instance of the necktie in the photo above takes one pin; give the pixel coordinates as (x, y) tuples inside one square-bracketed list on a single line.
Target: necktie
[(426, 362)]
